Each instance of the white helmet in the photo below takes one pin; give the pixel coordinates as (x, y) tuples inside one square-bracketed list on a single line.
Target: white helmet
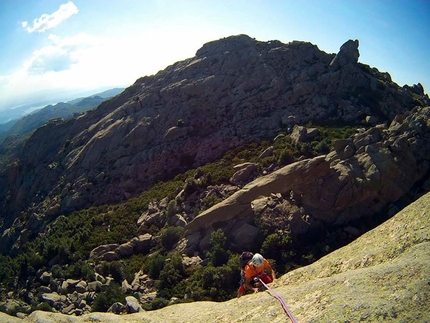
[(258, 260)]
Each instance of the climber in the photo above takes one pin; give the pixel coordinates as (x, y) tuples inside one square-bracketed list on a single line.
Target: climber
[(257, 268)]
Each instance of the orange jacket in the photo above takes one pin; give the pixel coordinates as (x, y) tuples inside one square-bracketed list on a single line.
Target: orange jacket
[(251, 271)]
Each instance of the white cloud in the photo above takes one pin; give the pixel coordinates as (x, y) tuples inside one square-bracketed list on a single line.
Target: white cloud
[(48, 21), (59, 55), (84, 62)]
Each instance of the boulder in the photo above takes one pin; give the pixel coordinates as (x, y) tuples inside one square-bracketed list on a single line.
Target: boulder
[(94, 286), (302, 134), (177, 220), (133, 305), (348, 54), (267, 152), (126, 287), (52, 298), (110, 256), (81, 287), (101, 250), (243, 173), (125, 250), (245, 236), (45, 278), (142, 244), (191, 261), (70, 309), (116, 308)]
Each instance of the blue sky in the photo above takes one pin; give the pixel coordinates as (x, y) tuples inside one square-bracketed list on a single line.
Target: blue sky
[(56, 49)]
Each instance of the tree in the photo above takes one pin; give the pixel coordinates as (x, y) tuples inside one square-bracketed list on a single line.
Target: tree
[(218, 253)]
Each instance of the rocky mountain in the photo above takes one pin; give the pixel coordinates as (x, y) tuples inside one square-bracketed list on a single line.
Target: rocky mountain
[(235, 90), (381, 276)]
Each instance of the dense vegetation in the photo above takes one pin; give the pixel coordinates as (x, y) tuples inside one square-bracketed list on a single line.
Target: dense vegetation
[(65, 245)]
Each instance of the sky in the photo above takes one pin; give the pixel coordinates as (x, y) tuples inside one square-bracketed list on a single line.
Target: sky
[(52, 50)]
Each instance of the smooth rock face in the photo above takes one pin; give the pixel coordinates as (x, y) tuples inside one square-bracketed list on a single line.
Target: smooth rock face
[(381, 276)]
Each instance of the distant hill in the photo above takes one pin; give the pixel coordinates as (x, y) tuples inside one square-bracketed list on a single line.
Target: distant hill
[(61, 110), (105, 94)]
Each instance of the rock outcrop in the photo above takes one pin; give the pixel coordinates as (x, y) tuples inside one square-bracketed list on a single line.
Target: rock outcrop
[(382, 276), (363, 175), (233, 91)]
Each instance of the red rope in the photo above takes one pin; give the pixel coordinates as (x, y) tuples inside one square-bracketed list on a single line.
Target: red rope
[(279, 298)]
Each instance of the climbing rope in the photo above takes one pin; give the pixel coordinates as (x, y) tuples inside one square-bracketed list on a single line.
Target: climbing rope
[(279, 298)]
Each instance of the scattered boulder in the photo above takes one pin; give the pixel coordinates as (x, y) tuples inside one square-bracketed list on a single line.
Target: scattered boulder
[(302, 134), (45, 278), (52, 298), (117, 308), (243, 173), (133, 305), (234, 91), (267, 152), (81, 287), (101, 250), (125, 250), (142, 244)]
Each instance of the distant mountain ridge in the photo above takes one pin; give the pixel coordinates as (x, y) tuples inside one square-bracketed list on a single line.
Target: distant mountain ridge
[(64, 110)]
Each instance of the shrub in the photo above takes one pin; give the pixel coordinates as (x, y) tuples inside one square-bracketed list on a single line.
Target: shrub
[(218, 254), (210, 200), (170, 276), (104, 300), (169, 236), (279, 247), (155, 265), (285, 157), (114, 269), (156, 304), (171, 208)]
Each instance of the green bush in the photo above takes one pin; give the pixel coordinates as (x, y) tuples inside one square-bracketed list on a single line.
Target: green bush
[(171, 275), (154, 266), (114, 269), (286, 157), (170, 236), (104, 300), (155, 304), (218, 254), (209, 201), (279, 247), (9, 270)]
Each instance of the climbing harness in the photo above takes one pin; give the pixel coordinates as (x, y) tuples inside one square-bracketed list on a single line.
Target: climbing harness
[(279, 298)]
